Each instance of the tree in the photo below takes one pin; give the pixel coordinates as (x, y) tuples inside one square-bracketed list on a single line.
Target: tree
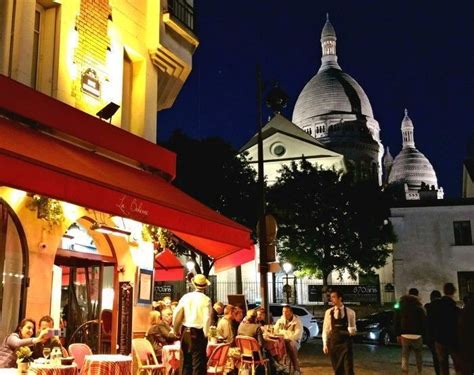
[(211, 171), (329, 223)]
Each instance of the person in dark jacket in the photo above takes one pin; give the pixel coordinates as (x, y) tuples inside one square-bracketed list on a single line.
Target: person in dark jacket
[(435, 295), (410, 321), (466, 335), (445, 316), (161, 332)]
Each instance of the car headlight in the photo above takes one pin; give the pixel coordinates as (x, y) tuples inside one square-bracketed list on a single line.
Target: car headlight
[(373, 325)]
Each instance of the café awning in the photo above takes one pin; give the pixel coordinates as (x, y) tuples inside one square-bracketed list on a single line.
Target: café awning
[(33, 160), (168, 267)]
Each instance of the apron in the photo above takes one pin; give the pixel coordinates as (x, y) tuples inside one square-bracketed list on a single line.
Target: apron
[(340, 346)]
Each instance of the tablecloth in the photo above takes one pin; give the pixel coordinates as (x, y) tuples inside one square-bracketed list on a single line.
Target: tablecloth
[(107, 364), (171, 358), (38, 369), (275, 346)]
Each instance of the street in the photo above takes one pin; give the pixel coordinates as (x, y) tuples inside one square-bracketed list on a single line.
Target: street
[(368, 359)]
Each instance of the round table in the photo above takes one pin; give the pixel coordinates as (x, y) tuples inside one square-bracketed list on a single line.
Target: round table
[(110, 364), (44, 369)]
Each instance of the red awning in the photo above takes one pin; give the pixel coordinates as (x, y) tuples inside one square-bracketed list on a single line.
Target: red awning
[(39, 163), (169, 267)]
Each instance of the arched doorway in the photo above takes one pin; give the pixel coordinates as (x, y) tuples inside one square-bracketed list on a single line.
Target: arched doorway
[(87, 287), (13, 268)]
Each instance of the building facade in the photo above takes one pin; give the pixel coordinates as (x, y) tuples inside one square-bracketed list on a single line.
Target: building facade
[(84, 189), (434, 246)]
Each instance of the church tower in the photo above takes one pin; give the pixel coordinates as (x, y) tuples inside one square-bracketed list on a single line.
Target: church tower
[(334, 109)]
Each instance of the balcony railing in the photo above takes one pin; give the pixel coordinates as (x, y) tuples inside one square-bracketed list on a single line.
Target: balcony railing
[(183, 12)]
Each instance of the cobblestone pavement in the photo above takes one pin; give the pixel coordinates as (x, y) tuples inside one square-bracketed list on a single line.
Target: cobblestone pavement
[(368, 360)]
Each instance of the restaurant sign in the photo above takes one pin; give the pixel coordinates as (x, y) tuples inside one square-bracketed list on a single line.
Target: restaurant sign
[(162, 291), (352, 293)]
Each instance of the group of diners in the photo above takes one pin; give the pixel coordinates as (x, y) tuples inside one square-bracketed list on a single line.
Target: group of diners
[(193, 319), (25, 335)]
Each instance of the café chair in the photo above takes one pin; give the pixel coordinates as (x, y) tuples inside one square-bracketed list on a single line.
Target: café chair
[(218, 359), (250, 354), (79, 352), (146, 357)]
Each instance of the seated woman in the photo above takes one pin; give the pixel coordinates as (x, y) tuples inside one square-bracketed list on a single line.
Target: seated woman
[(23, 336), (160, 332), (47, 322)]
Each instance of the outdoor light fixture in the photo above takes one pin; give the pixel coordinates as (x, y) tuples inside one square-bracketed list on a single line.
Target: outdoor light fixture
[(108, 111), (287, 267), (102, 228)]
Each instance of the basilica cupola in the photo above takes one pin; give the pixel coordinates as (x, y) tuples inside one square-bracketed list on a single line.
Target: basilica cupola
[(328, 46)]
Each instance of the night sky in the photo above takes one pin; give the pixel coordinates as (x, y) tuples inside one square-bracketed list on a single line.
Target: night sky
[(413, 54)]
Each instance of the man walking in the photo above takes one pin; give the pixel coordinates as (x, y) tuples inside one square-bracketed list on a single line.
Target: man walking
[(445, 330), (410, 323), (338, 328), (193, 313), (434, 295)]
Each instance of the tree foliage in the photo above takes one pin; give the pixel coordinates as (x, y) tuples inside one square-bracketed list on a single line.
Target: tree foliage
[(210, 171), (326, 222)]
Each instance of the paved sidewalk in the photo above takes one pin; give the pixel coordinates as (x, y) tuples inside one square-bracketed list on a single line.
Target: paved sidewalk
[(368, 360)]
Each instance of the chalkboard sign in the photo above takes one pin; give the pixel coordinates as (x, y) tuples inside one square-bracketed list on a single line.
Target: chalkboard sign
[(125, 318), (352, 293), (162, 291)]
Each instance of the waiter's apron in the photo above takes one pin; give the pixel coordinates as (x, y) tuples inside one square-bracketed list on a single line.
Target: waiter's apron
[(340, 346)]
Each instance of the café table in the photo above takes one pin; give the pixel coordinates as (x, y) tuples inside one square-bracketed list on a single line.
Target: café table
[(11, 371), (50, 369), (171, 358), (275, 344), (107, 364)]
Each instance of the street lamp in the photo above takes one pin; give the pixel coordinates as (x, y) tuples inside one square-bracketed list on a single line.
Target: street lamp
[(287, 267)]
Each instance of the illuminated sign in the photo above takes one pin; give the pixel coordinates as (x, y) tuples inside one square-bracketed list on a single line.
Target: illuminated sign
[(90, 83)]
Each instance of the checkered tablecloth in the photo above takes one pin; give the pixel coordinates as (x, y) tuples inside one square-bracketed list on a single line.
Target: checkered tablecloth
[(37, 369), (107, 364)]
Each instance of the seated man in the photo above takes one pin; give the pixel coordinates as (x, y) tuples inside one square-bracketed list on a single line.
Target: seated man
[(238, 316), (292, 329), (224, 327), (161, 333), (46, 322)]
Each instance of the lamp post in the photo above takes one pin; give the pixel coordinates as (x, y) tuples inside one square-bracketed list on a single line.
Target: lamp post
[(287, 267), (190, 267)]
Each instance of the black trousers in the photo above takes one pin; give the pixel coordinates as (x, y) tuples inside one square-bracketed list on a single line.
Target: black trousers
[(193, 344), (342, 358), (431, 345)]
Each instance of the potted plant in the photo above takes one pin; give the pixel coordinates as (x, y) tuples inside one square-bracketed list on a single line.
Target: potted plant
[(24, 357), (213, 334)]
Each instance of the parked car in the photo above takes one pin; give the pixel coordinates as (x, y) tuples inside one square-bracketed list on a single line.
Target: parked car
[(378, 327)]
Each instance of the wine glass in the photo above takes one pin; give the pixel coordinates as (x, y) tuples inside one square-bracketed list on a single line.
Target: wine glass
[(46, 352)]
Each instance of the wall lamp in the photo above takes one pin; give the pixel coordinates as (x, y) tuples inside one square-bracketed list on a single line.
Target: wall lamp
[(102, 228)]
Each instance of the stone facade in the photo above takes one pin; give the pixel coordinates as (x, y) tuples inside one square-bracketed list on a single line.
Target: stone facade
[(428, 252)]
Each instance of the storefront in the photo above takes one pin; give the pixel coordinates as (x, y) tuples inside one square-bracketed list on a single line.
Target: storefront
[(75, 194)]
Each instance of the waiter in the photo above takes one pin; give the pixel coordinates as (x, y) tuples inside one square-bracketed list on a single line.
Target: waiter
[(338, 328), (192, 317)]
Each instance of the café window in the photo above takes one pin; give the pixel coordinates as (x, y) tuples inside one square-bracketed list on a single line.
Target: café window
[(462, 233), (13, 267)]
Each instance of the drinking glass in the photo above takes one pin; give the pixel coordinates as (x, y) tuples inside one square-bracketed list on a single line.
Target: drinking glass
[(46, 352)]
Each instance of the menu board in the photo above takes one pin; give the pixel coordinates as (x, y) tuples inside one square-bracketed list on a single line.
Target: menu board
[(125, 317)]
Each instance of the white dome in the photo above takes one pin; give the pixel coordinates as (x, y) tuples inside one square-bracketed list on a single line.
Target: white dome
[(412, 167), (331, 91)]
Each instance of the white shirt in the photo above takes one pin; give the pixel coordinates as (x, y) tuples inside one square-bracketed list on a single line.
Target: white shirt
[(197, 311), (351, 322), (291, 330)]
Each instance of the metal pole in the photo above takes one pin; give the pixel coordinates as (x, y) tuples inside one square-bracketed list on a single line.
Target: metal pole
[(287, 291), (262, 232)]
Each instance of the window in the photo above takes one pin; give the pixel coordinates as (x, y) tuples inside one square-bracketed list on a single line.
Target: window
[(36, 45), (462, 233)]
